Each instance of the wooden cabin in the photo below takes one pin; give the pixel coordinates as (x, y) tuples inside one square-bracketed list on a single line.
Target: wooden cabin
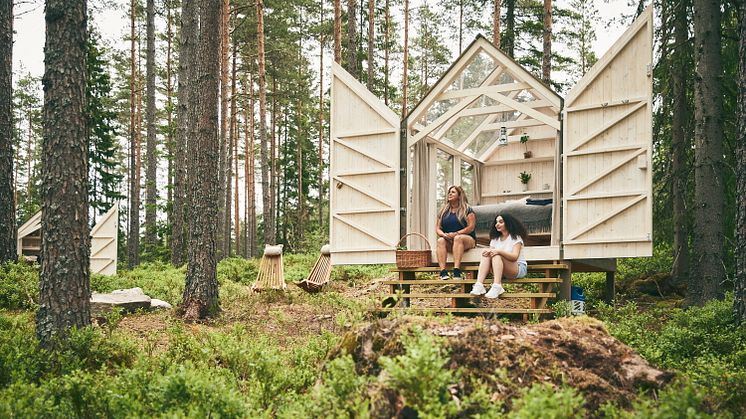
[(103, 257), (589, 155)]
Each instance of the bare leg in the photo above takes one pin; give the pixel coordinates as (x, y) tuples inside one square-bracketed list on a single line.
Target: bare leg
[(442, 252), (497, 268), (484, 269), (461, 243)]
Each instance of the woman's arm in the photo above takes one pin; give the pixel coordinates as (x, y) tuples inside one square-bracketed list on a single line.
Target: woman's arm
[(438, 230)]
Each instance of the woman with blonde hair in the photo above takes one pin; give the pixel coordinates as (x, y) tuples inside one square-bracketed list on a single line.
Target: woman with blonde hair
[(455, 227)]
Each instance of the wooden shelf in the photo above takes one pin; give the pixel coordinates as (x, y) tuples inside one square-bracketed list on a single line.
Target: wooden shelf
[(546, 191), (520, 161)]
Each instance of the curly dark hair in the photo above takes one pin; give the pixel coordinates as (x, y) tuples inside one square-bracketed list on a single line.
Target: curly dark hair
[(512, 224)]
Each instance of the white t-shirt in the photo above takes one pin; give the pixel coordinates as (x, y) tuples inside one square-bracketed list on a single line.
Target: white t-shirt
[(508, 244)]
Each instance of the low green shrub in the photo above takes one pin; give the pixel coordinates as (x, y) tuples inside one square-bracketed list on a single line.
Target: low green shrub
[(157, 280), (358, 274), (420, 375), (19, 286), (240, 270), (543, 400)]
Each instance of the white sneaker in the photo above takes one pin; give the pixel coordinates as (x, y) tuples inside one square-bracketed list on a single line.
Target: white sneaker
[(495, 291), (478, 289)]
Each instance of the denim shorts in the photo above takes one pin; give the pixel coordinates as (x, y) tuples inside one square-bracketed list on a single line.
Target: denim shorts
[(522, 270)]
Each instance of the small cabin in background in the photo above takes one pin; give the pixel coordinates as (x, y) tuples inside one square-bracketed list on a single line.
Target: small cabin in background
[(484, 123), (103, 241)]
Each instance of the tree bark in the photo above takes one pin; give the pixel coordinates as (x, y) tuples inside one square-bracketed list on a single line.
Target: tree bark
[(321, 119), (185, 129), (371, 34), (496, 24), (352, 39), (404, 82), (133, 239), (234, 150), (64, 294), (8, 230), (708, 164), (337, 32), (263, 141), (200, 298), (680, 143), (546, 58), (739, 306), (386, 52), (169, 115), (151, 158), (224, 205), (250, 174)]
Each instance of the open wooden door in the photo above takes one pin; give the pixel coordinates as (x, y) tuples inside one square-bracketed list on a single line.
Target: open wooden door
[(607, 152), (104, 243), (364, 174)]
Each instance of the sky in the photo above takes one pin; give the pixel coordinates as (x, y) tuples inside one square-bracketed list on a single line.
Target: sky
[(28, 48)]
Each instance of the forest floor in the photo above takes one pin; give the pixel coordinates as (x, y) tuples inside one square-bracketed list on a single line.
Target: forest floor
[(577, 352)]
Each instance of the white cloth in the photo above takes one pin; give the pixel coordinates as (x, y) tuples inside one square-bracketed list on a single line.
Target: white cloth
[(508, 244)]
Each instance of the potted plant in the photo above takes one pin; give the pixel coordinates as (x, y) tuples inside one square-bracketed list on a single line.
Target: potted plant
[(524, 177), (526, 153)]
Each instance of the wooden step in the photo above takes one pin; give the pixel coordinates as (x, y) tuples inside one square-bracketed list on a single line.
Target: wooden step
[(485, 310), (468, 281), (460, 295), (531, 268)]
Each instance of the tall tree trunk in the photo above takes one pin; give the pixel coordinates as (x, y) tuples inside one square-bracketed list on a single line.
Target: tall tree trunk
[(321, 118), (151, 158), (546, 58), (460, 26), (234, 150), (496, 24), (200, 298), (386, 51), (273, 175), (680, 143), (269, 237), (739, 306), (371, 34), (133, 240), (169, 116), (508, 42), (224, 205), (250, 174), (337, 32), (352, 39), (8, 230), (404, 82), (65, 291), (708, 151), (185, 129)]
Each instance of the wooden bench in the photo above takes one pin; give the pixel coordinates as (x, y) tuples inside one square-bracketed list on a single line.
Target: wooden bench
[(401, 290)]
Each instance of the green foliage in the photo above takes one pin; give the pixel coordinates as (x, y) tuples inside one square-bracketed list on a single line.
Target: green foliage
[(157, 280), (633, 268), (675, 401), (356, 274), (340, 394), (702, 343), (240, 270), (420, 375), (562, 308), (542, 400), (19, 286)]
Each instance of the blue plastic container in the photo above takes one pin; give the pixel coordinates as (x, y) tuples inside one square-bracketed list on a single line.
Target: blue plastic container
[(576, 294)]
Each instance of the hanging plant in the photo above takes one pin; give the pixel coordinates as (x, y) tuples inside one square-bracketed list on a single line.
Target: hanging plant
[(526, 153)]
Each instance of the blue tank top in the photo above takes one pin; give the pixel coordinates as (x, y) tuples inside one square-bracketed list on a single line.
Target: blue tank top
[(451, 224)]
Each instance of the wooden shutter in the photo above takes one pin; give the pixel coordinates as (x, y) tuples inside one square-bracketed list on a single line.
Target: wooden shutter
[(104, 244), (364, 174), (607, 152)]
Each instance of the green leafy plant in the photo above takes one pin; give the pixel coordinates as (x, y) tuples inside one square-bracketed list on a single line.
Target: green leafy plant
[(524, 140), (524, 177), (562, 308)]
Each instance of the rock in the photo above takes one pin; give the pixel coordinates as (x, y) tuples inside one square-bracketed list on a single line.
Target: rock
[(156, 303), (129, 291), (129, 302)]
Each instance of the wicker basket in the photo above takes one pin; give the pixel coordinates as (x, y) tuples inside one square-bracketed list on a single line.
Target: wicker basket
[(413, 258)]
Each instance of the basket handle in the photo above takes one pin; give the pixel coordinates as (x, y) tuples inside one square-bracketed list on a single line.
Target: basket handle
[(418, 234)]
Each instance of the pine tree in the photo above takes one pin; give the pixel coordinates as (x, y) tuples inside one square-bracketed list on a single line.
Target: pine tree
[(104, 168), (7, 202), (133, 239), (739, 305), (200, 298), (151, 158), (64, 294)]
